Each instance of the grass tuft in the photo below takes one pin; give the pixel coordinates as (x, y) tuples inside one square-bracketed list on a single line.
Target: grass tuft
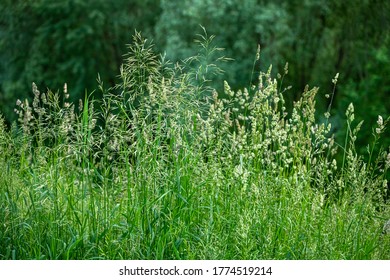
[(166, 167)]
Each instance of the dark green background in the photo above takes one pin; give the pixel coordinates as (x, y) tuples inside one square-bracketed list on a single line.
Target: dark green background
[(52, 42)]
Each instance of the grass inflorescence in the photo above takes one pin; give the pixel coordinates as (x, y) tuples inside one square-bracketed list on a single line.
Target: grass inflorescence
[(166, 167)]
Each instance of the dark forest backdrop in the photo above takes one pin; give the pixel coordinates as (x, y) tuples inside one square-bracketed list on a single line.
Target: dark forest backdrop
[(55, 42)]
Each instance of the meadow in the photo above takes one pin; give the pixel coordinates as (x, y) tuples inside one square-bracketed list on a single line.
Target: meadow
[(164, 166)]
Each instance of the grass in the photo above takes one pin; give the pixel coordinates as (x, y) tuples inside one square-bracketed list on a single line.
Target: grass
[(164, 167)]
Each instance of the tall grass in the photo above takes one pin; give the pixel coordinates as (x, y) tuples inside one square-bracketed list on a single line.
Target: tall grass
[(165, 167)]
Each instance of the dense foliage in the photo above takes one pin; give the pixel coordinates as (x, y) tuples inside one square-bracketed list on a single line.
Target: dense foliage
[(55, 42)]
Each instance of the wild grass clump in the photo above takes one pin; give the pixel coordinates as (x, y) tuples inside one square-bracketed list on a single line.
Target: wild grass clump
[(166, 167)]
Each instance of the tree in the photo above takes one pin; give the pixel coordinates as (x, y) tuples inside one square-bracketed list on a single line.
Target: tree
[(55, 42)]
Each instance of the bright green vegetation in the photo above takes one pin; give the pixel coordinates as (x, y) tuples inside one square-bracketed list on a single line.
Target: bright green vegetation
[(165, 167)]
